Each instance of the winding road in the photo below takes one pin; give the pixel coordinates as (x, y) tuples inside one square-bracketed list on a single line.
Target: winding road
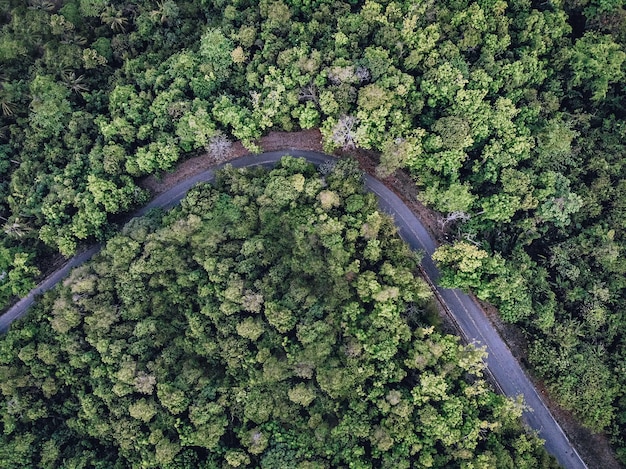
[(470, 319)]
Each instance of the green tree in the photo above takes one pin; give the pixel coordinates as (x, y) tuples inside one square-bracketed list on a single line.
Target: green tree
[(50, 107), (596, 62)]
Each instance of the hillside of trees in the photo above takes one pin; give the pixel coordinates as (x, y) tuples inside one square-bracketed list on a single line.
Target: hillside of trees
[(271, 321), (509, 116)]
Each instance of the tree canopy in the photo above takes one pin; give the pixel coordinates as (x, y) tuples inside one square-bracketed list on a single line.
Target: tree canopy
[(508, 114), (272, 320)]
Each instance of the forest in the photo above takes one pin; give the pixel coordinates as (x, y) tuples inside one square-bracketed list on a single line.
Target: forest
[(271, 321), (509, 115)]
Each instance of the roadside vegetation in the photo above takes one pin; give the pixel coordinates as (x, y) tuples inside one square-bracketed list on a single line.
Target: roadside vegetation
[(509, 116), (271, 321)]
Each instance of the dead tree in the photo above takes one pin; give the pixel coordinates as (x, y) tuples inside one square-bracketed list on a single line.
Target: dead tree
[(218, 147), (344, 132), (309, 93), (453, 217)]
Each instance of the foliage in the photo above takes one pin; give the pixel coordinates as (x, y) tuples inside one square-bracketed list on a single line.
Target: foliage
[(510, 112), (251, 326)]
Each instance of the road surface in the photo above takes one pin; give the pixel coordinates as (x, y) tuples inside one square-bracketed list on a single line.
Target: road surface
[(469, 317)]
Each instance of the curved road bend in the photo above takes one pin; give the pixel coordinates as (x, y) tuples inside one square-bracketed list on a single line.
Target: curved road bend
[(471, 320)]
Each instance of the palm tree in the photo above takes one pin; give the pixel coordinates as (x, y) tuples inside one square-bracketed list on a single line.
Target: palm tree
[(17, 228), (75, 39), (7, 106), (73, 82), (166, 11), (115, 20), (44, 5)]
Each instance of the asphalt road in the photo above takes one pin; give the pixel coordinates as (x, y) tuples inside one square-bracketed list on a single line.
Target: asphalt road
[(471, 320)]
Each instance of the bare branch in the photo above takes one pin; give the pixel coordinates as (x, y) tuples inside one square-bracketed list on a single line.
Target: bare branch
[(309, 93), (453, 217), (344, 132), (219, 147)]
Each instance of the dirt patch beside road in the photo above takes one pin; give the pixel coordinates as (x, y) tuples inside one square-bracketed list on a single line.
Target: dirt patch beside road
[(303, 140)]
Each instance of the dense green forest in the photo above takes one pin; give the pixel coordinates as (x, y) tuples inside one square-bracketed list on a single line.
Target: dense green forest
[(509, 115), (271, 321)]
